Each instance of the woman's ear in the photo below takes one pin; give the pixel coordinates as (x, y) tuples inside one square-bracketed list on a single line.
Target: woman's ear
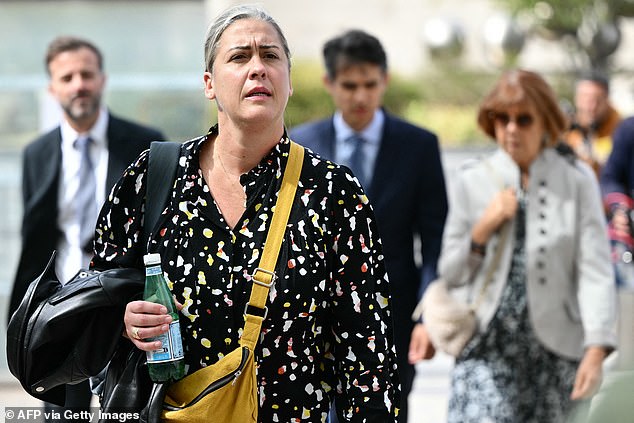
[(209, 89)]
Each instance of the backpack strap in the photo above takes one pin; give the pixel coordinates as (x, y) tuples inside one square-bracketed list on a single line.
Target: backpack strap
[(161, 172)]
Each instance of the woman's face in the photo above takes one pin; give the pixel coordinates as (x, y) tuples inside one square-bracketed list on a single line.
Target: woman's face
[(250, 80), (519, 131)]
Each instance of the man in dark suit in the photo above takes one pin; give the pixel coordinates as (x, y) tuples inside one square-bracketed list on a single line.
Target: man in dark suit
[(68, 172), (399, 166)]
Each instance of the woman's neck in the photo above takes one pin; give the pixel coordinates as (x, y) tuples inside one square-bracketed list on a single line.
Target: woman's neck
[(242, 149)]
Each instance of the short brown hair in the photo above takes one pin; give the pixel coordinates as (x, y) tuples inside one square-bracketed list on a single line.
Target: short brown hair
[(522, 87), (68, 43)]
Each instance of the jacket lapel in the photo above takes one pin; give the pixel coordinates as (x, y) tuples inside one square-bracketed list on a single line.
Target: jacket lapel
[(120, 151), (386, 159), (327, 132), (49, 164)]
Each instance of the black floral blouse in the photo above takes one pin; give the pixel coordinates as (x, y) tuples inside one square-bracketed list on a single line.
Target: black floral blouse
[(329, 329)]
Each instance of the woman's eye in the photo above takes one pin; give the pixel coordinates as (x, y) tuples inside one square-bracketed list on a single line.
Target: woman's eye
[(238, 57)]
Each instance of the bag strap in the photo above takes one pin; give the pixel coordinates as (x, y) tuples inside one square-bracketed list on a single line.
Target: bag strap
[(161, 171), (494, 264), (498, 252), (263, 276)]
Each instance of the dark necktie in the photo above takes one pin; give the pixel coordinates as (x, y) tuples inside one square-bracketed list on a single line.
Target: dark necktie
[(85, 203), (357, 159)]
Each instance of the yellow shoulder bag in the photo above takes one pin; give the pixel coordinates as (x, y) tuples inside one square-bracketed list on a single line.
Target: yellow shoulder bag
[(226, 392)]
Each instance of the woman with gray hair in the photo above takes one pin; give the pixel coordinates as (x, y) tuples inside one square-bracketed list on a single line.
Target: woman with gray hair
[(328, 330)]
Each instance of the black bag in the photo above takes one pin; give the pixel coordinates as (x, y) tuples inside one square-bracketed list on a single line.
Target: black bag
[(63, 334), (127, 386)]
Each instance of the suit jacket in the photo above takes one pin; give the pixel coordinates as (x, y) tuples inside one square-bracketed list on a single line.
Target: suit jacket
[(569, 276), (407, 193), (618, 173), (40, 185)]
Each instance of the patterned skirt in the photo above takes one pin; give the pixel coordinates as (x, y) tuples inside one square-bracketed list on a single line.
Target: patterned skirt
[(505, 374)]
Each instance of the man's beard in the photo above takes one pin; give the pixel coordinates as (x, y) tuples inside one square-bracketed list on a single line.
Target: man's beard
[(82, 110)]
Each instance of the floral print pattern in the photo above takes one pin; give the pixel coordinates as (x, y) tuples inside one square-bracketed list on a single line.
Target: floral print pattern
[(505, 375), (328, 332)]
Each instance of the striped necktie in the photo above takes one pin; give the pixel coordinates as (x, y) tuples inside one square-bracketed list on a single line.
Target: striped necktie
[(85, 203)]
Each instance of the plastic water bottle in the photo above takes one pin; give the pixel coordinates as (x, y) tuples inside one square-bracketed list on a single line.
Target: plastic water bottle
[(166, 363)]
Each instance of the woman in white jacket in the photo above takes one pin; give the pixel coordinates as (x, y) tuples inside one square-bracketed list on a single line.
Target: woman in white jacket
[(546, 320)]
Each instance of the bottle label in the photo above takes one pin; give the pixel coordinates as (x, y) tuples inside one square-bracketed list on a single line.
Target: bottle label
[(171, 346), (153, 270)]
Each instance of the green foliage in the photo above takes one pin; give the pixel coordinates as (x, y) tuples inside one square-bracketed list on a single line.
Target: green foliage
[(310, 100), (584, 27), (401, 94), (456, 86), (455, 125), (448, 105), (559, 16)]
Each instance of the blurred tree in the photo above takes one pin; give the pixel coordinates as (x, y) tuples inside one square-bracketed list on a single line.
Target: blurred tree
[(588, 28)]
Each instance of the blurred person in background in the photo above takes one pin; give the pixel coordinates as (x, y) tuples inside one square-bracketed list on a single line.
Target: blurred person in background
[(68, 172), (593, 121), (614, 401), (399, 166), (546, 321), (617, 187)]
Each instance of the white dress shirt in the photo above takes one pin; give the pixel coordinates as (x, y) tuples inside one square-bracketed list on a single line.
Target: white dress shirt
[(70, 256)]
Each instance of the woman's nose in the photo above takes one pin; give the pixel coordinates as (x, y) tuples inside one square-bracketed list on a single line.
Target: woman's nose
[(258, 69)]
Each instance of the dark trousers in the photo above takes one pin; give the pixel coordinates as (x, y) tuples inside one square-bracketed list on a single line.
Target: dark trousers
[(78, 399)]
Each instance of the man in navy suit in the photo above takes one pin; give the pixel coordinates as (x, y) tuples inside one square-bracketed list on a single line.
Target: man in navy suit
[(399, 167), (52, 165)]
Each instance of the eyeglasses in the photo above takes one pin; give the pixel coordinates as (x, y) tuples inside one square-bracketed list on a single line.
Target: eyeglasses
[(523, 120)]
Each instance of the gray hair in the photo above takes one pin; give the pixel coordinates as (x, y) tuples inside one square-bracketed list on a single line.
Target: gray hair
[(229, 17)]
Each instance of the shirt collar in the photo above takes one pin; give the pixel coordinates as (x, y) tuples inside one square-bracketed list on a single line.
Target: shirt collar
[(371, 133), (98, 132)]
